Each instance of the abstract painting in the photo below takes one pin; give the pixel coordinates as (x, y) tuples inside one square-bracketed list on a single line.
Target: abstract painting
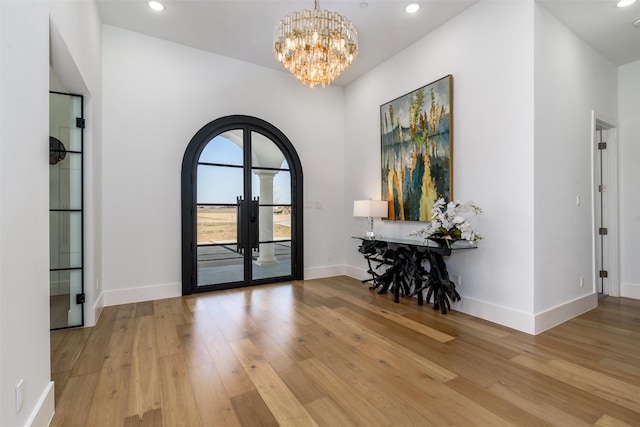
[(416, 141)]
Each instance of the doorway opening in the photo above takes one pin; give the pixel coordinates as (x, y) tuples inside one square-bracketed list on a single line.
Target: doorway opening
[(241, 206), (605, 207)]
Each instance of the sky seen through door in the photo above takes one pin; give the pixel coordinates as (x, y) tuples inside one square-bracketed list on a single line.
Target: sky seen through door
[(221, 185)]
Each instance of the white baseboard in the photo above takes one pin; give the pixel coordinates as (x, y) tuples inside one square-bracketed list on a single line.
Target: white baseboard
[(630, 290), (494, 313), (171, 290), (526, 322), (43, 412), (356, 273), (145, 293), (505, 316), (515, 319), (97, 308), (320, 272), (560, 314)]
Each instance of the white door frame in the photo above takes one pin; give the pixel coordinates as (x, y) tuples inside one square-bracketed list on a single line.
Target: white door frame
[(600, 121)]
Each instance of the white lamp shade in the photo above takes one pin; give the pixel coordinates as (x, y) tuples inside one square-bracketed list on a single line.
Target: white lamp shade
[(371, 208)]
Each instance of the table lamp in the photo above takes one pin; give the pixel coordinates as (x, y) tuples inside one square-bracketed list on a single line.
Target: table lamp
[(371, 209)]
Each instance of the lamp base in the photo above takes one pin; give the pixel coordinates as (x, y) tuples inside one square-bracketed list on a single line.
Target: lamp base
[(370, 230)]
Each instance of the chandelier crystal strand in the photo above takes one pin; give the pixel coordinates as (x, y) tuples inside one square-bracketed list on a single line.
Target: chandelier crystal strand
[(315, 45)]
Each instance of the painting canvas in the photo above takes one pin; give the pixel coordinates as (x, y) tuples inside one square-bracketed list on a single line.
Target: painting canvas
[(417, 157)]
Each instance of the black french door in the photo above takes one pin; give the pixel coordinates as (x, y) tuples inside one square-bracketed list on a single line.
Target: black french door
[(241, 206), (66, 210)]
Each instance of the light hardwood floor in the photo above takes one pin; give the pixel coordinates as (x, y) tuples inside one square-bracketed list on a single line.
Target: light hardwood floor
[(330, 353)]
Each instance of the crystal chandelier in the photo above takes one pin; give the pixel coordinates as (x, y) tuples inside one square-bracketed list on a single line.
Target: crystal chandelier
[(315, 45)]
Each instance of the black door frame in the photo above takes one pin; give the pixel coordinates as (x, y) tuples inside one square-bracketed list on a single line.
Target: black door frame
[(189, 199), (80, 123)]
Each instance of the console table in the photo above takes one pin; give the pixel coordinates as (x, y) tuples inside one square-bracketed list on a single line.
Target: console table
[(407, 273)]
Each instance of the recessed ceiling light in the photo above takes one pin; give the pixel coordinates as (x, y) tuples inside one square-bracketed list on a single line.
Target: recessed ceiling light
[(414, 7), (156, 5), (625, 3), (636, 23)]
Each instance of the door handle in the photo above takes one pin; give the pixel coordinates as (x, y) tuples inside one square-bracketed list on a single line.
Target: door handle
[(255, 223), (239, 240)]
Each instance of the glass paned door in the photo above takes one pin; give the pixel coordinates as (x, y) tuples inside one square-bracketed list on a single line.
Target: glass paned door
[(220, 182), (271, 186), (241, 206), (243, 211), (65, 211)]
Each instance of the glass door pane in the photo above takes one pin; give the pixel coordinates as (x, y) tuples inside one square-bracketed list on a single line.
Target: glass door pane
[(65, 240), (271, 183), (220, 182), (65, 285), (65, 211), (241, 184), (219, 260)]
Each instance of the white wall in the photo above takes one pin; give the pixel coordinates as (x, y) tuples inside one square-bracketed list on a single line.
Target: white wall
[(493, 148), (157, 95), (76, 45), (629, 173), (2, 121), (24, 206), (571, 80), (24, 183)]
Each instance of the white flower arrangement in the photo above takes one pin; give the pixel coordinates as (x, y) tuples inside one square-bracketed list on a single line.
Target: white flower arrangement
[(446, 223)]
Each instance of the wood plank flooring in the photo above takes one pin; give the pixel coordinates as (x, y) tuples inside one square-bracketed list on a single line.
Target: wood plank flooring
[(330, 353)]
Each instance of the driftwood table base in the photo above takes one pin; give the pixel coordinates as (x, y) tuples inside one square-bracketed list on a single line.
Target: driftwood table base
[(412, 270)]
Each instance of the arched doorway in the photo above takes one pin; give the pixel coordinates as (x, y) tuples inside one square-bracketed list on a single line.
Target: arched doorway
[(241, 206)]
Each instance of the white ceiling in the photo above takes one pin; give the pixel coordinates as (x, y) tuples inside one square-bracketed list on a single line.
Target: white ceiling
[(605, 27), (243, 29)]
